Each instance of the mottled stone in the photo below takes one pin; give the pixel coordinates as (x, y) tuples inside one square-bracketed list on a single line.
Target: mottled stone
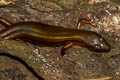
[(44, 6), (7, 2), (68, 4)]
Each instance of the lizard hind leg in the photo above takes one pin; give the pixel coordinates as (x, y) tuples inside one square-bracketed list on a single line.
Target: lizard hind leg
[(5, 22), (10, 33)]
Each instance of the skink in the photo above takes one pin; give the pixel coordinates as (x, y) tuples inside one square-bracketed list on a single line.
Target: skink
[(42, 34)]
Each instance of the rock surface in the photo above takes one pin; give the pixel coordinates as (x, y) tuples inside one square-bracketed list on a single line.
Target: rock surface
[(24, 61)]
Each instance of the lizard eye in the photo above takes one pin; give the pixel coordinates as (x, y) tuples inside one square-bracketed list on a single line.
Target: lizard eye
[(97, 46), (101, 39), (95, 41)]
